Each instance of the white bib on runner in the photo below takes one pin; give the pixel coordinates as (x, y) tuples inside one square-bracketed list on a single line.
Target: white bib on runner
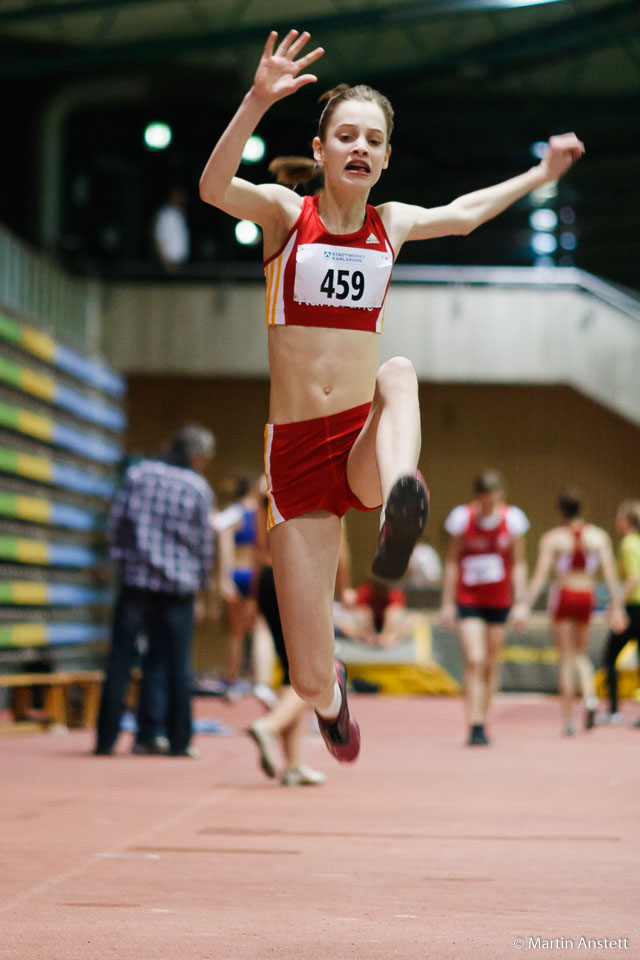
[(341, 276), (482, 568)]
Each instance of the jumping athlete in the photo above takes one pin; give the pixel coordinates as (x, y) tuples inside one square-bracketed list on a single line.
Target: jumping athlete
[(485, 573), (574, 551), (343, 432)]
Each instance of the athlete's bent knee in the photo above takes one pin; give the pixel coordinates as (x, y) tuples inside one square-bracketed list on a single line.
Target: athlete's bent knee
[(396, 374)]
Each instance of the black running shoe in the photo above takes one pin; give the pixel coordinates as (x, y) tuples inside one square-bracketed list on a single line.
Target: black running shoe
[(477, 736), (342, 735), (405, 516)]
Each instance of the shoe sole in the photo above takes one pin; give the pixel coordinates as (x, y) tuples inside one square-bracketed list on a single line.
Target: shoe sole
[(406, 512), (266, 762)]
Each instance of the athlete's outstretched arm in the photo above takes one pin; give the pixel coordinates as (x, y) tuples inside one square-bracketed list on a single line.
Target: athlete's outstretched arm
[(276, 78), (467, 212)]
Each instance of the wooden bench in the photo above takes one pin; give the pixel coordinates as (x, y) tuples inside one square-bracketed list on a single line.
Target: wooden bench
[(57, 706)]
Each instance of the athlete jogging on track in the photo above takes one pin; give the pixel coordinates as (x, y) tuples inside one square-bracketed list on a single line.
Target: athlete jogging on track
[(572, 554), (485, 573)]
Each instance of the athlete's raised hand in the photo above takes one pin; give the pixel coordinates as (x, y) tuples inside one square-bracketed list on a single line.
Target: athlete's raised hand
[(563, 151), (277, 73)]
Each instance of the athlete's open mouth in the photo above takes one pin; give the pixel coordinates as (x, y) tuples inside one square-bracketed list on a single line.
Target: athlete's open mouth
[(358, 166)]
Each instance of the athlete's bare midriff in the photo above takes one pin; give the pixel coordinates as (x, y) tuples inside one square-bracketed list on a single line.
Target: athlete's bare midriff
[(316, 372)]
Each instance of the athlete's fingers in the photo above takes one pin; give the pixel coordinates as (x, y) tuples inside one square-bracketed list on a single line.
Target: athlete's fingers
[(298, 44), (304, 62), (303, 80), (284, 46), (268, 47)]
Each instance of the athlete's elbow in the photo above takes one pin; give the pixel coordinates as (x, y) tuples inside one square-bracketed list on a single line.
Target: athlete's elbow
[(467, 224), (209, 194)]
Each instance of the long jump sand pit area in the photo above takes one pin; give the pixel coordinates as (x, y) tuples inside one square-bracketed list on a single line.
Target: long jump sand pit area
[(423, 849)]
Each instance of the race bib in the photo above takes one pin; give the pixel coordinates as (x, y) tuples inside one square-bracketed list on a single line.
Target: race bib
[(482, 568), (341, 276)]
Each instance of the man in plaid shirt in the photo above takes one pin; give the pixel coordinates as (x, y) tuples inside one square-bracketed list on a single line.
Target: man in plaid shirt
[(160, 534)]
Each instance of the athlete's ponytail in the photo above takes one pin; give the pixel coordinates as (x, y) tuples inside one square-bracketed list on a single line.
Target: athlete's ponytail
[(292, 171)]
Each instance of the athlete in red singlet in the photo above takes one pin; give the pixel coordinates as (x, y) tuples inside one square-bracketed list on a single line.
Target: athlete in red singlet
[(574, 551), (342, 431), (485, 573)]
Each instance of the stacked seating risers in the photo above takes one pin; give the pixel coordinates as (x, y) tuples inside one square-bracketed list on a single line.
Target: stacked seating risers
[(60, 424)]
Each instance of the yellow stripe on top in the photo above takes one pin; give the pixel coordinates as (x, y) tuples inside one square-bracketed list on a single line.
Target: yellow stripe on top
[(269, 274), (274, 271)]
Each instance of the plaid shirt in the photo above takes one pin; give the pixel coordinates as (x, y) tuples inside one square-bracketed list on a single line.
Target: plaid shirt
[(159, 529)]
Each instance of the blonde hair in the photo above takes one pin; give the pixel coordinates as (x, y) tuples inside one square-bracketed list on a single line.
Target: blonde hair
[(292, 171), (630, 510)]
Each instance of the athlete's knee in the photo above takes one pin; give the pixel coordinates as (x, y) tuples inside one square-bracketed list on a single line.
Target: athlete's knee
[(475, 664), (397, 374), (310, 682)]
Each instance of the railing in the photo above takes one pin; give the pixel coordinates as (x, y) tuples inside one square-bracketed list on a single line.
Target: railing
[(32, 286)]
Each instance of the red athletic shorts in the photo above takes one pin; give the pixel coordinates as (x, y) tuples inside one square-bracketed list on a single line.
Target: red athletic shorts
[(306, 465), (571, 605)]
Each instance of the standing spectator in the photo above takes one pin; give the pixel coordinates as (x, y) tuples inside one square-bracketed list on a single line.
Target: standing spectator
[(485, 573), (160, 534), (171, 238), (628, 526)]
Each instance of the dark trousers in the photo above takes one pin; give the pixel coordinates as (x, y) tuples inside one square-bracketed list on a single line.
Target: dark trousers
[(268, 607), (615, 643), (166, 619)]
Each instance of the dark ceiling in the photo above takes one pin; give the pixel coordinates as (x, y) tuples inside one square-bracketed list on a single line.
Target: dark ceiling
[(474, 83)]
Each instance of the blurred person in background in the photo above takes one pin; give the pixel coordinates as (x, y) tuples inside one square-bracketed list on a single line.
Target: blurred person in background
[(160, 536), (284, 725), (572, 554), (170, 231), (236, 527), (628, 527), (374, 614), (485, 574)]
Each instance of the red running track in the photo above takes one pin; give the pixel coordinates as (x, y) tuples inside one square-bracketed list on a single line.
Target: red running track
[(423, 849)]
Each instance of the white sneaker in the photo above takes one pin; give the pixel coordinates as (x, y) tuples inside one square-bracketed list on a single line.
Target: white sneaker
[(608, 719), (267, 744), (302, 776), (568, 730), (266, 696)]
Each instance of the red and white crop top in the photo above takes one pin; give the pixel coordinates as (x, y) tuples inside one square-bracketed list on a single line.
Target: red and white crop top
[(321, 279)]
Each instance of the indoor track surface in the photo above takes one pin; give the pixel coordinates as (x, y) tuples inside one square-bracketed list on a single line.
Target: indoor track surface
[(424, 848)]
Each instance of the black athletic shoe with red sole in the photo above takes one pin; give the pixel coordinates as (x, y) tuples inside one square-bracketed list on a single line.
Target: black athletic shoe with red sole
[(342, 735), (405, 517)]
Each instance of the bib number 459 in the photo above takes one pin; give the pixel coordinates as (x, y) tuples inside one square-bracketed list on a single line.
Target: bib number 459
[(342, 284)]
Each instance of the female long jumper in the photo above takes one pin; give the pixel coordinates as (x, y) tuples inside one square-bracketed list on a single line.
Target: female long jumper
[(342, 430)]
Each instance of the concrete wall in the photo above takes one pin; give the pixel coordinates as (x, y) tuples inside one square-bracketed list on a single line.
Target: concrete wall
[(500, 332)]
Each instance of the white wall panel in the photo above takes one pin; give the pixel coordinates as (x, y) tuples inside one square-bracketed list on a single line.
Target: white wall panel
[(460, 332)]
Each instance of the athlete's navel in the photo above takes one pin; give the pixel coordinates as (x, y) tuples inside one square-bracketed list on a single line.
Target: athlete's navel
[(327, 391)]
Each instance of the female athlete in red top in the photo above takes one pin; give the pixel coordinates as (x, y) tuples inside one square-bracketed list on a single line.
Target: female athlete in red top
[(342, 430), (573, 552), (485, 573)]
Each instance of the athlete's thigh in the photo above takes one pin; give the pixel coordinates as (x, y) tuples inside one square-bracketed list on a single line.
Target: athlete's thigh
[(472, 632), (496, 633), (362, 465), (304, 552), (579, 636), (561, 636)]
